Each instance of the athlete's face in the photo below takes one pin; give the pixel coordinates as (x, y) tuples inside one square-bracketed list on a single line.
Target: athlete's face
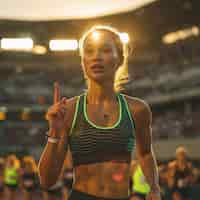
[(100, 58)]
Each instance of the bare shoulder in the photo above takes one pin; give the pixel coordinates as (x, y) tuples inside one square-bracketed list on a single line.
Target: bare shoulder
[(71, 108), (138, 107), (71, 103)]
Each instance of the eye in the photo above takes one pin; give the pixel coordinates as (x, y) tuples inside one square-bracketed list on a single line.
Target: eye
[(89, 50)]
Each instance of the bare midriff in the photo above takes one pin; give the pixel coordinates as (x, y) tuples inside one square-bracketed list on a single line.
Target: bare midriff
[(105, 179)]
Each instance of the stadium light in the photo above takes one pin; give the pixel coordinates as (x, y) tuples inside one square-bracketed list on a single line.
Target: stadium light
[(23, 44), (63, 45), (39, 49), (173, 37)]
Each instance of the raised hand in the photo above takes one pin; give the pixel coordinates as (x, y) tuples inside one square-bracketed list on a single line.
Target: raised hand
[(56, 114)]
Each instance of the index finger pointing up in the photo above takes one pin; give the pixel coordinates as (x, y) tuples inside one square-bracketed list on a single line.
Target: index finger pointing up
[(56, 94)]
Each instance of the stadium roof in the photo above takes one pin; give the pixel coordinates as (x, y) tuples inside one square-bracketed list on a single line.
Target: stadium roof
[(146, 25), (35, 10)]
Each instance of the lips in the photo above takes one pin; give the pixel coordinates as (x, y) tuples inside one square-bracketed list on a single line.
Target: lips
[(97, 67)]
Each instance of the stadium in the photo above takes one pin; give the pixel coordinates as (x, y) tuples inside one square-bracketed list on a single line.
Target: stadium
[(163, 37)]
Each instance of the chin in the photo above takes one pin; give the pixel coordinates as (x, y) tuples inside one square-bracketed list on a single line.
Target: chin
[(97, 76), (100, 77)]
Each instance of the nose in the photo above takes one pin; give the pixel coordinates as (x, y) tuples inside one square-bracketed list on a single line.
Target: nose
[(97, 55)]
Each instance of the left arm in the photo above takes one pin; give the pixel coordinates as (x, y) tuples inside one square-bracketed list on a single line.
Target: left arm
[(143, 119)]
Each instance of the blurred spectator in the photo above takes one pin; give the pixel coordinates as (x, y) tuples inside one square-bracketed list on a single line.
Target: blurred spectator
[(11, 177), (28, 177), (181, 174)]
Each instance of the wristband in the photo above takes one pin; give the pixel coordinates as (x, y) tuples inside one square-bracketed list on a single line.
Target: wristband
[(49, 136), (52, 140)]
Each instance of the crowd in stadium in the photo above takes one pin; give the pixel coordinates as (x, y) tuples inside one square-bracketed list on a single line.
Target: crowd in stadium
[(173, 71), (165, 75), (179, 179)]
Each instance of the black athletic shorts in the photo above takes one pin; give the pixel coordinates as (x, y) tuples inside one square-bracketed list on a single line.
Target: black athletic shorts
[(12, 187), (77, 195), (139, 195)]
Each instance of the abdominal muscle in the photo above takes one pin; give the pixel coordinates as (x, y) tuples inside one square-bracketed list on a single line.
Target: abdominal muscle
[(107, 179)]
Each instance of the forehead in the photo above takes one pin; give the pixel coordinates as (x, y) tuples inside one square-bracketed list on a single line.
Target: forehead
[(100, 37)]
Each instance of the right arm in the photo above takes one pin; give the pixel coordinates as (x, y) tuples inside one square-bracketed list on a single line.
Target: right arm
[(53, 155), (51, 162)]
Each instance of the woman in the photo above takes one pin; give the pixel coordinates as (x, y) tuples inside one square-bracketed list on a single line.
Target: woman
[(11, 177), (28, 177), (100, 127), (182, 174)]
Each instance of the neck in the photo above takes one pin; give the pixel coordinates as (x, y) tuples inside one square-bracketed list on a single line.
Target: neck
[(100, 92)]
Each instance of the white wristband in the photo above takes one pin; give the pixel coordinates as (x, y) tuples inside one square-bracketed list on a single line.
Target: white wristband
[(52, 140)]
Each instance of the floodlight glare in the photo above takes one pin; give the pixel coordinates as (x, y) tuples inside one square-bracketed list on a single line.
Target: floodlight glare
[(62, 45), (17, 44)]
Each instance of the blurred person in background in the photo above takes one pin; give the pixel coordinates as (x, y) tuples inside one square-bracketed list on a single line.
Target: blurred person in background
[(11, 177), (28, 177), (163, 180), (181, 170), (101, 127), (2, 166), (139, 187)]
